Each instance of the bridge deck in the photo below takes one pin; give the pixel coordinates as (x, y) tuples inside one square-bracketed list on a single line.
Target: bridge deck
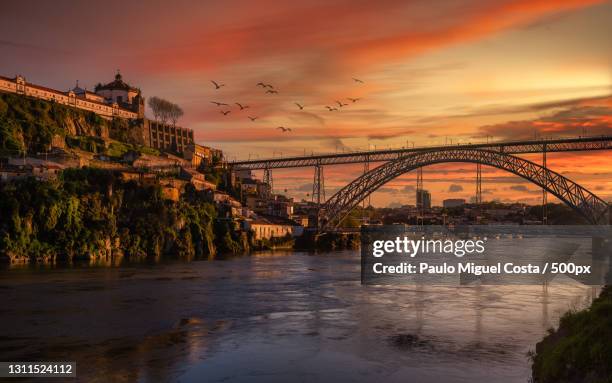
[(510, 147)]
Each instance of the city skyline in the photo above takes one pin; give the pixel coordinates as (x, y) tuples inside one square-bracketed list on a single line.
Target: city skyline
[(467, 73)]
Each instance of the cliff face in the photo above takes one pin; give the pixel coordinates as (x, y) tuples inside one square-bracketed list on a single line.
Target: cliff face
[(37, 125), (92, 214), (76, 124)]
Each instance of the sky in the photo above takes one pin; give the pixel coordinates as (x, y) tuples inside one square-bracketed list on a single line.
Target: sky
[(432, 73)]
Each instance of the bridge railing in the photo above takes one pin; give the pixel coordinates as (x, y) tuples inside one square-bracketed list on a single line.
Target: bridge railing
[(512, 147)]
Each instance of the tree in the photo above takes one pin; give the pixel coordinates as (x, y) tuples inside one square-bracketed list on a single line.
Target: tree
[(175, 113), (164, 110), (155, 103)]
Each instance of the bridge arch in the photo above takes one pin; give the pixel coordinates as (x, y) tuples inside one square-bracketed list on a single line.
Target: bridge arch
[(575, 196)]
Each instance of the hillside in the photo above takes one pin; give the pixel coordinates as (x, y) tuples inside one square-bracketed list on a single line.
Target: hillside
[(34, 126), (580, 350), (95, 215)]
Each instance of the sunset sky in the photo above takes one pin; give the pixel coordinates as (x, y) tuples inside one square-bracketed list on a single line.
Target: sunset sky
[(432, 71)]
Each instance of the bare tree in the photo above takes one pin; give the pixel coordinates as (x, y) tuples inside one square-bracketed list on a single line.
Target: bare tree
[(175, 114), (155, 103), (164, 110)]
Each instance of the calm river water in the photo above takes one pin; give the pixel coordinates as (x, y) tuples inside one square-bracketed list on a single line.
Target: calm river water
[(272, 317)]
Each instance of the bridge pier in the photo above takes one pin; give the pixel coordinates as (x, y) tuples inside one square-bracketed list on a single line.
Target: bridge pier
[(318, 191), (267, 179), (419, 197), (478, 184), (366, 168), (318, 185), (544, 192)]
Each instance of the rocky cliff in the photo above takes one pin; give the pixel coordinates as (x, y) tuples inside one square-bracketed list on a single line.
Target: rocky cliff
[(35, 125)]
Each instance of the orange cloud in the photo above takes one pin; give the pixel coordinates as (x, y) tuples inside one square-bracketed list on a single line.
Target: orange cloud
[(489, 19), (582, 117), (344, 35)]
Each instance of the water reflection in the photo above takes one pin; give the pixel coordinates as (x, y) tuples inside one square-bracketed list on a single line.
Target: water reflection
[(273, 317)]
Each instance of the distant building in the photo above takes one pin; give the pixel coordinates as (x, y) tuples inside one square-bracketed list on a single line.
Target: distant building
[(122, 94), (423, 199), (244, 173), (197, 179), (306, 210), (201, 155), (273, 227), (280, 206), (453, 202), (228, 206), (77, 98), (116, 99), (168, 137), (87, 95), (257, 204), (29, 167), (249, 186)]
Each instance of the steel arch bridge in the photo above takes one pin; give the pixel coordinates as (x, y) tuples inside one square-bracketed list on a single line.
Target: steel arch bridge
[(587, 204)]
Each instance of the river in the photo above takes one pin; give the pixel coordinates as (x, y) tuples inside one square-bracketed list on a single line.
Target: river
[(272, 317)]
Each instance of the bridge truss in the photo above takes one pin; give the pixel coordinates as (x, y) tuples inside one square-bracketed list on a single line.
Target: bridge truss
[(591, 207)]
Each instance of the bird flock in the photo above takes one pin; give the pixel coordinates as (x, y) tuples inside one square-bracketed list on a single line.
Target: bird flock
[(225, 108)]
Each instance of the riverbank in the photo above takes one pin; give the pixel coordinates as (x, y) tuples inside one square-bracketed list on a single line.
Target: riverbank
[(96, 215), (580, 350)]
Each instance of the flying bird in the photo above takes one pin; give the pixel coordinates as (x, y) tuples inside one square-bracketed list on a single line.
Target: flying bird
[(225, 113), (284, 129), (217, 85), (330, 108), (272, 91), (340, 104), (268, 86), (261, 84), (253, 118), (219, 103), (357, 80), (242, 106), (299, 106), (353, 99)]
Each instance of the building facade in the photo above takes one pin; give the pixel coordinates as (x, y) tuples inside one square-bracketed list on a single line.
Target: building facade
[(453, 202), (83, 100), (201, 155), (124, 95), (118, 99), (168, 137), (423, 199)]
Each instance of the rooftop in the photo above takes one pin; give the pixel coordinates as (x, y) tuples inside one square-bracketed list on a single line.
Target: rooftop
[(118, 84)]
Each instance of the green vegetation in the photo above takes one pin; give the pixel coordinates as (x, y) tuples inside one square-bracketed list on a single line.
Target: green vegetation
[(230, 239), (285, 242), (86, 143), (118, 149), (94, 214), (29, 124), (581, 349)]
